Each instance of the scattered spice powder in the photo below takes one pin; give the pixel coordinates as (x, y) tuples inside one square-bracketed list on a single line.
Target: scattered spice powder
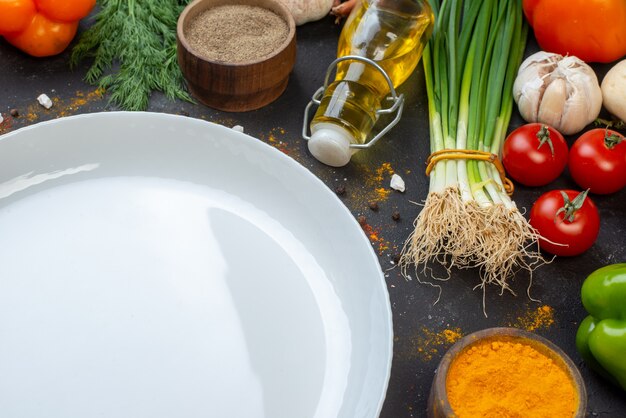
[(32, 116), (427, 343), (236, 33), (384, 169), (382, 193), (61, 108), (6, 124), (451, 336), (276, 138), (376, 181), (540, 318), (374, 186), (70, 106), (376, 240), (508, 378)]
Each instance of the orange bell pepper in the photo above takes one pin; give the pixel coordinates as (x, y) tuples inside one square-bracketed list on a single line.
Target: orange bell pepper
[(592, 30), (42, 28)]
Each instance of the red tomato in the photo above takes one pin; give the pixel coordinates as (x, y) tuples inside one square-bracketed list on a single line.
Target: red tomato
[(15, 15), (534, 154), (44, 37), (65, 10), (567, 219), (597, 161)]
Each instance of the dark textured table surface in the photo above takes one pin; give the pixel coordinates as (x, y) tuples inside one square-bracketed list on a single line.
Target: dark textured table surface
[(423, 330)]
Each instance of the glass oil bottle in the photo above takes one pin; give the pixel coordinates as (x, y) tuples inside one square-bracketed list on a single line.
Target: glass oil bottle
[(379, 47)]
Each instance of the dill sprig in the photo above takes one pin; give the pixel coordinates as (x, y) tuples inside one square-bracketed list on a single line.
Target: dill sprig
[(132, 45)]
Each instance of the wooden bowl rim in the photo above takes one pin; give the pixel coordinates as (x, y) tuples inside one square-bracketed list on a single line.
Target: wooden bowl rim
[(183, 40)]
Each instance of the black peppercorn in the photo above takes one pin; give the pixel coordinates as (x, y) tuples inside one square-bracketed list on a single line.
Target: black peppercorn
[(14, 112), (340, 190), (395, 215), (374, 206)]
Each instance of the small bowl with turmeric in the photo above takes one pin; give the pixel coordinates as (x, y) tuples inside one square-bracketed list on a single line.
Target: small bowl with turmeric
[(506, 372), (236, 55)]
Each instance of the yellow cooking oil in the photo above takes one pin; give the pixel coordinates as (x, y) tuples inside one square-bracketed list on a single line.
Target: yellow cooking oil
[(391, 33)]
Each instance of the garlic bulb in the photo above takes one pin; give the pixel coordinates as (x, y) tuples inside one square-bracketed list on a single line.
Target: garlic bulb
[(304, 11), (562, 92)]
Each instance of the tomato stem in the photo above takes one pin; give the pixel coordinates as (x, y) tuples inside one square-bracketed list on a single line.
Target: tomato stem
[(570, 207), (615, 124), (544, 137), (611, 138)]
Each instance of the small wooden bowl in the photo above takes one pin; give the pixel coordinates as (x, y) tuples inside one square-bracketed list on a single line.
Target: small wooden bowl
[(236, 87), (438, 404)]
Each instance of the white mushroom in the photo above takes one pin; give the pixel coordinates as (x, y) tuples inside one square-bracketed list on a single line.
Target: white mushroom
[(559, 91), (614, 90)]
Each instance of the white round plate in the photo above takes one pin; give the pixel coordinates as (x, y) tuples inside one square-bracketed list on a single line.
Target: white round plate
[(154, 266)]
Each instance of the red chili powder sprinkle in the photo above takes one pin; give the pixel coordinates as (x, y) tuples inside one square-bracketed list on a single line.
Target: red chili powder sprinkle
[(377, 241), (7, 124)]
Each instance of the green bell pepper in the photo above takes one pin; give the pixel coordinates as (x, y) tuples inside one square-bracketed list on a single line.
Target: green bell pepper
[(601, 337)]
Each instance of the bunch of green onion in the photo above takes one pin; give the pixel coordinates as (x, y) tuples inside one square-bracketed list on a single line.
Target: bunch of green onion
[(468, 220)]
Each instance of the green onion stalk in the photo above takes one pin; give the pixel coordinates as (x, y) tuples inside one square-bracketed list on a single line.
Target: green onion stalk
[(468, 219)]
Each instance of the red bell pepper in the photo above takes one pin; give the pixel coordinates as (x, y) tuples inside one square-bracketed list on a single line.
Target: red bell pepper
[(592, 30)]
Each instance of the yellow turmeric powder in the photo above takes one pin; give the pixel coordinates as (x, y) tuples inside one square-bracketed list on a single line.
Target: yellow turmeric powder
[(508, 379)]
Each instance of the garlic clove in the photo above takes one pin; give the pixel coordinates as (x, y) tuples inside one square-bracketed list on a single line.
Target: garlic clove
[(585, 97), (574, 117), (553, 103), (583, 105), (530, 82), (528, 98), (397, 183)]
